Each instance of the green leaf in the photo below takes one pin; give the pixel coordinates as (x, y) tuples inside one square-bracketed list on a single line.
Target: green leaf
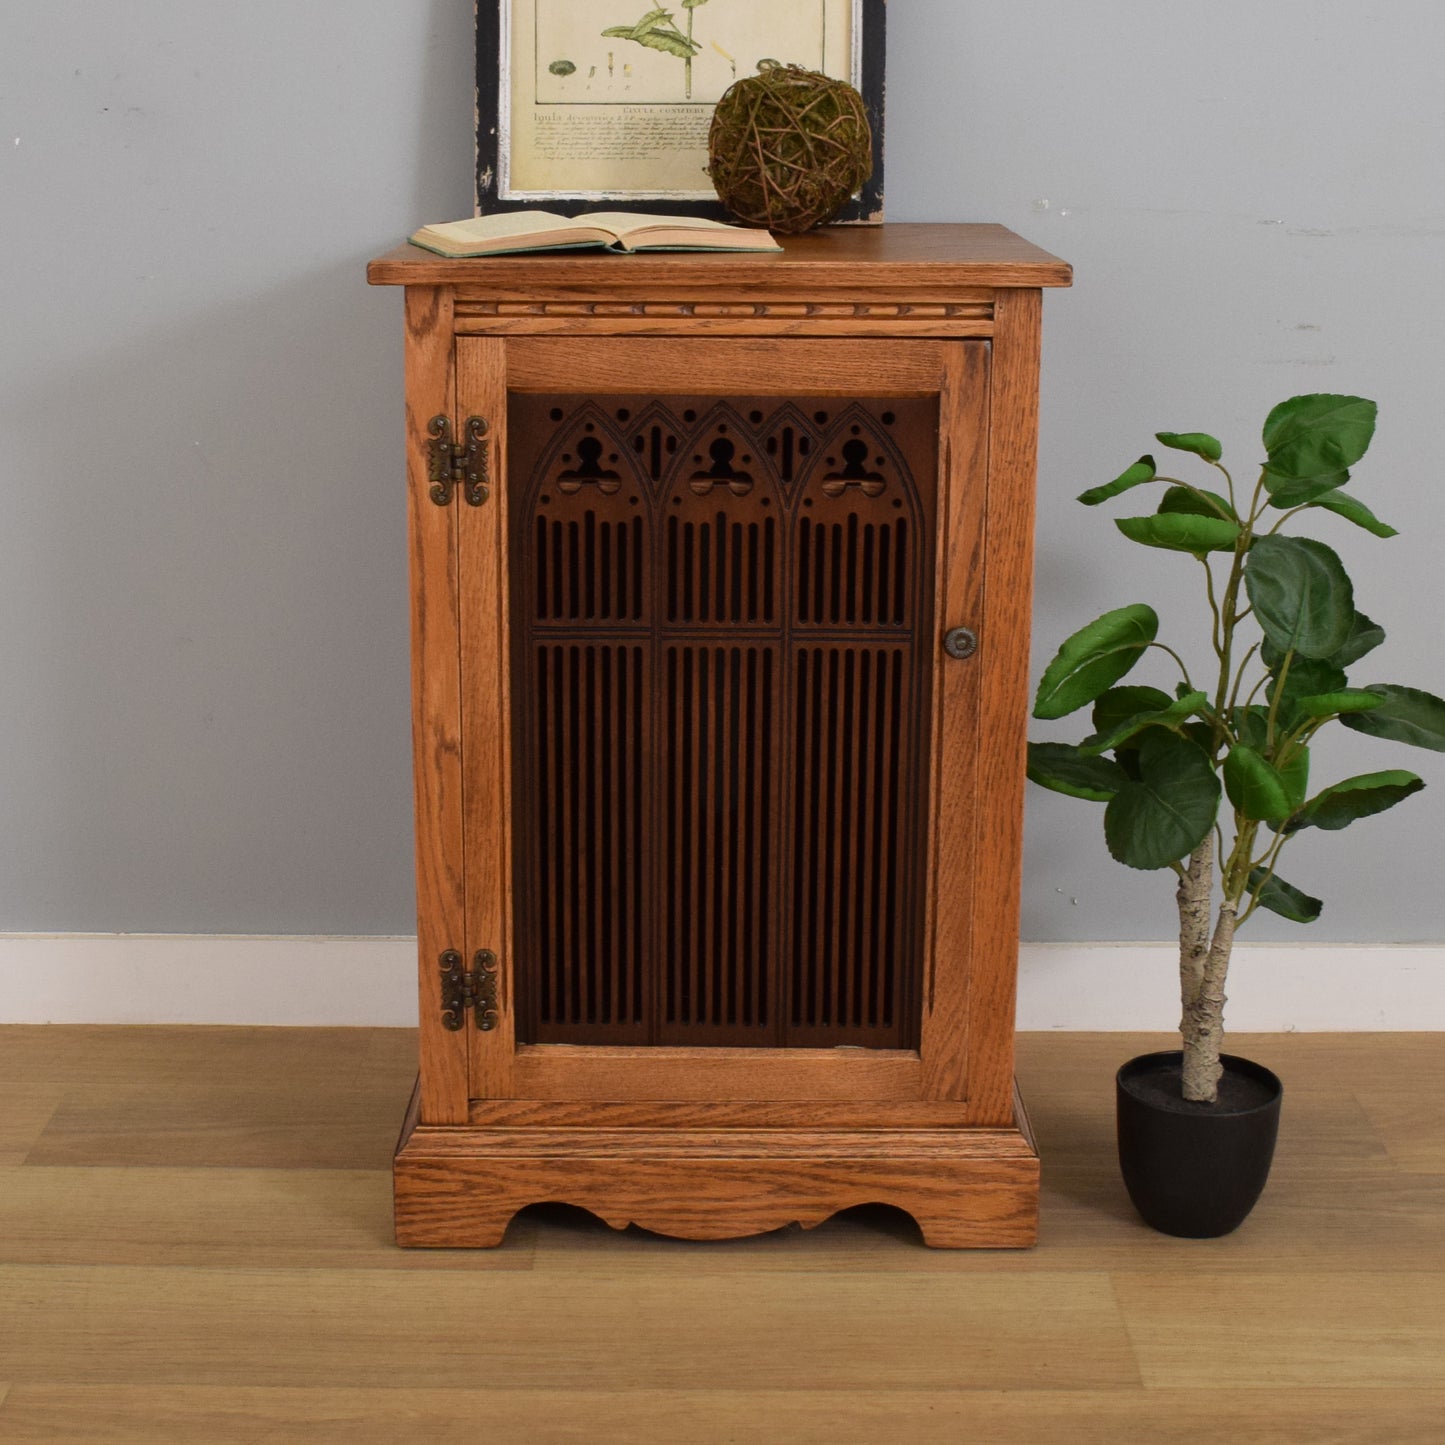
[(692, 4), (1315, 437), (1365, 636), (1354, 510), (1301, 594), (669, 41), (1355, 798), (1251, 725), (1283, 898), (1406, 715), (1201, 733), (657, 31), (1142, 471), (636, 32), (1255, 786), (1198, 442), (1286, 492), (1181, 532), (1119, 704), (1063, 768), (1296, 776), (1165, 815), (1094, 658), (1195, 501), (1169, 716), (1307, 677), (1328, 704)]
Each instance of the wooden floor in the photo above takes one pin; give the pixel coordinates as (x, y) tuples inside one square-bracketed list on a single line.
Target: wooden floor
[(194, 1245)]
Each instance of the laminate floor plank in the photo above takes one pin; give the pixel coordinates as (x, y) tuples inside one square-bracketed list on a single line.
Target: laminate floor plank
[(1332, 1185), (628, 1330), (1323, 1131), (1409, 1125), (96, 1056), (25, 1110), (336, 1123), (1358, 1061), (181, 1415), (217, 1218), (1373, 1331), (1390, 1223)]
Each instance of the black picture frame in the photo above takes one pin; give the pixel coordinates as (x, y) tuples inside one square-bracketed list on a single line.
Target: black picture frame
[(869, 22)]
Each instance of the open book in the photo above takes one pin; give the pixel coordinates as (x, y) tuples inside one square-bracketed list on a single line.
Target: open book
[(615, 230)]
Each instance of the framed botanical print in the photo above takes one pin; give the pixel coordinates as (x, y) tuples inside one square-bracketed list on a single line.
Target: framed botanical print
[(589, 103)]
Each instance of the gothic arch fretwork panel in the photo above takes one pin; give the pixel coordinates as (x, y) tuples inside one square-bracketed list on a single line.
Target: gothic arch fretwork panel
[(720, 611)]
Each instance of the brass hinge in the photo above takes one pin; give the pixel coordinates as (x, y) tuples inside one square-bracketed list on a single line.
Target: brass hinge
[(458, 464), (469, 988)]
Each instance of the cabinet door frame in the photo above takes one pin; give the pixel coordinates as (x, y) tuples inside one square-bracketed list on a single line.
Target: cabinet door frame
[(965, 1054)]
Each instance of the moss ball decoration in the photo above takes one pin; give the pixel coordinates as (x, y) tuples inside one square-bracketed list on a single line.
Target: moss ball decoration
[(788, 146)]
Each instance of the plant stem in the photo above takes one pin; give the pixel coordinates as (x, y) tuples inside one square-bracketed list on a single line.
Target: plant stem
[(1280, 679), (687, 64), (1213, 606), (1201, 494), (1227, 616), (1203, 1031), (1239, 678), (1196, 885), (1268, 862), (1230, 481)]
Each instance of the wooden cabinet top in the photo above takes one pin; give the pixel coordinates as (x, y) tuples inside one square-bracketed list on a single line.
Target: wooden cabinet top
[(856, 257)]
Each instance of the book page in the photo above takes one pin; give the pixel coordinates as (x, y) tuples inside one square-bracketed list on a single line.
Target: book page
[(626, 115), (622, 222), (489, 228)]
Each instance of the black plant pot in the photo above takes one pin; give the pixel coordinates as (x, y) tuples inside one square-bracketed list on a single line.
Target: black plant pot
[(1195, 1170)]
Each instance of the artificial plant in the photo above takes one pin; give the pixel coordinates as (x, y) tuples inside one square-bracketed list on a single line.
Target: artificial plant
[(1212, 781)]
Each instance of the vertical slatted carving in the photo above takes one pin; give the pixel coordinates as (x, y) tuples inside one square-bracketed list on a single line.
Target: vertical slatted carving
[(588, 837), (716, 893), (860, 593), (719, 720), (581, 589)]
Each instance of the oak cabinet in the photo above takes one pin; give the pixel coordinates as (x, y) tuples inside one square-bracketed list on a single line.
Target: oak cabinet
[(720, 602)]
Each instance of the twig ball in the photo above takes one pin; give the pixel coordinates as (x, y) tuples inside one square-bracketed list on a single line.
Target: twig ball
[(788, 146)]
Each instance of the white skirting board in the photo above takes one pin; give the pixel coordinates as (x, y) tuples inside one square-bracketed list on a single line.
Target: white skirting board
[(354, 982)]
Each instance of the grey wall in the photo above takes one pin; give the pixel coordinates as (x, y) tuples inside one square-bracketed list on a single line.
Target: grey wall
[(203, 719)]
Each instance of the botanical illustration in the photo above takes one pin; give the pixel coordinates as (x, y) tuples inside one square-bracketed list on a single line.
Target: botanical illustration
[(657, 31), (612, 99), (664, 52)]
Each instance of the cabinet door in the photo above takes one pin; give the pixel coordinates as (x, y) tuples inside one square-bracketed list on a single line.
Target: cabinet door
[(713, 753)]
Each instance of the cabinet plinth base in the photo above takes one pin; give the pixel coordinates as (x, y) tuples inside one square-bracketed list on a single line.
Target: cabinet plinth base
[(968, 1188)]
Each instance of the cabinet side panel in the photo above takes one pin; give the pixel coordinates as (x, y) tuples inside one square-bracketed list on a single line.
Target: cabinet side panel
[(1003, 702), (436, 703), (486, 713)]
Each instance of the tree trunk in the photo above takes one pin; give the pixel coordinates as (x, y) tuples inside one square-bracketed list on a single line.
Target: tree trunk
[(1193, 894), (1203, 1031)]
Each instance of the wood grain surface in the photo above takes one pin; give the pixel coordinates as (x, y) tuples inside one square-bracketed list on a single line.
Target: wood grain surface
[(436, 698), (479, 332), (202, 1274), (879, 257)]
